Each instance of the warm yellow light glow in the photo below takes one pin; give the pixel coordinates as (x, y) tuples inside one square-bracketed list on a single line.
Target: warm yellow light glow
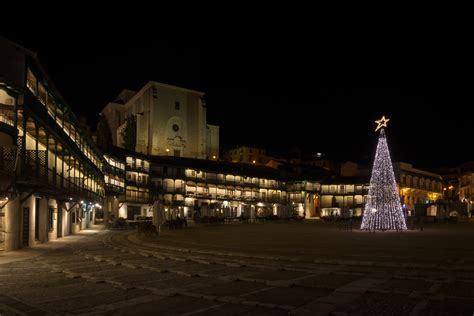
[(451, 187), (253, 161), (444, 189), (167, 150), (381, 123), (213, 157)]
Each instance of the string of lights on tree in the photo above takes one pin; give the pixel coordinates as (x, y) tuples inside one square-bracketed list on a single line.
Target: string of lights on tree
[(383, 210)]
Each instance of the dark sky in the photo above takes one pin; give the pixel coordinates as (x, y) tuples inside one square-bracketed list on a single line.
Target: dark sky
[(279, 90)]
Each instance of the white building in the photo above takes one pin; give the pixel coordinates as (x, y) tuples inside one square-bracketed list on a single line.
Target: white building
[(171, 121)]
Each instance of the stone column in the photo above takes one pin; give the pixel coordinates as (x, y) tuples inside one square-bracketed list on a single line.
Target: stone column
[(115, 207), (157, 215), (252, 212), (12, 224), (107, 209), (94, 209), (309, 205)]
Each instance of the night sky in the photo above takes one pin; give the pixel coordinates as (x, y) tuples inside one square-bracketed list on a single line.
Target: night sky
[(277, 90)]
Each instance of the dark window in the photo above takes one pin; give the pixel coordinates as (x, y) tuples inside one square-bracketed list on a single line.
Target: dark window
[(50, 218), (155, 94), (176, 105), (73, 216), (165, 170)]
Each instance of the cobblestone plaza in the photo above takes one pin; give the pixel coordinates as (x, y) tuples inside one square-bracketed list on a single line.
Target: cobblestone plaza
[(309, 268)]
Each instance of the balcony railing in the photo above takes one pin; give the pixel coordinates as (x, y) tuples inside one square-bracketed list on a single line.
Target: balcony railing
[(114, 170), (234, 182), (7, 116), (35, 172), (269, 199), (137, 183), (111, 189), (345, 192), (7, 160), (136, 167), (34, 164), (138, 199), (44, 99)]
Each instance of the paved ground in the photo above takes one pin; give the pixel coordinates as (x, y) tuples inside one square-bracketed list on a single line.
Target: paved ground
[(271, 268)]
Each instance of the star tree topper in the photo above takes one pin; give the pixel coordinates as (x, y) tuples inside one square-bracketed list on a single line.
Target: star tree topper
[(381, 123)]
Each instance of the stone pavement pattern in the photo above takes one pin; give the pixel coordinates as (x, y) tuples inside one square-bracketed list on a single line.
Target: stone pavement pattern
[(253, 269)]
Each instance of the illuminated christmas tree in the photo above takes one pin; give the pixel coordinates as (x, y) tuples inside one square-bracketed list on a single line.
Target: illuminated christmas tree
[(383, 210)]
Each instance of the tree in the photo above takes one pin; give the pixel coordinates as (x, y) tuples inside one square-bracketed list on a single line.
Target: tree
[(104, 135), (383, 210), (129, 133)]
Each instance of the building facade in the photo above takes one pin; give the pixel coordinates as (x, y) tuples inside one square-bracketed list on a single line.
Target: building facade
[(196, 189), (127, 183), (417, 186), (344, 196), (170, 121), (347, 194), (466, 185), (247, 154), (54, 180), (304, 197), (192, 188), (51, 172)]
